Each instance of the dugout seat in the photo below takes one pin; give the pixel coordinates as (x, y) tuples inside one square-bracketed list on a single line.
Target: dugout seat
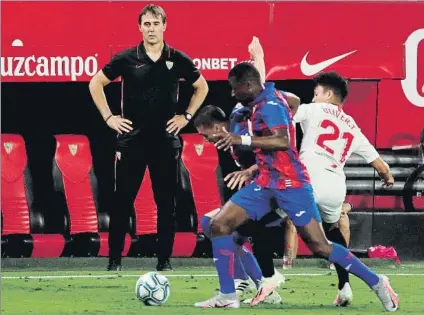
[(22, 223), (76, 190), (200, 187)]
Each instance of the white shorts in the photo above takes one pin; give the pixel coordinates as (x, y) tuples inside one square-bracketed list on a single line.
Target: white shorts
[(330, 193)]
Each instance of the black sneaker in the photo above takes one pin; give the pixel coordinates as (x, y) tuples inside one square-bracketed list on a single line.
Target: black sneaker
[(113, 266), (164, 266)]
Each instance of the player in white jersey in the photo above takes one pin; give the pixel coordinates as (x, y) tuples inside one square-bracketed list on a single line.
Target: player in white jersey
[(330, 136)]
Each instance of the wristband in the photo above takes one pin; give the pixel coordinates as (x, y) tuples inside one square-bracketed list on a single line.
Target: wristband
[(108, 117), (246, 140)]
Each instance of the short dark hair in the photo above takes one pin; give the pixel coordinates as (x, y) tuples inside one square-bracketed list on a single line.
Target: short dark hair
[(209, 115), (334, 82), (244, 72), (154, 10)]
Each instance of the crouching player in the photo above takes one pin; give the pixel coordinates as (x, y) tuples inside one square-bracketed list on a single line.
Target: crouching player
[(208, 121)]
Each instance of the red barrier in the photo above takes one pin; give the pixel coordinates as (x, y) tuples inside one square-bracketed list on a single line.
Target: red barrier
[(400, 119), (362, 99), (184, 244), (47, 245)]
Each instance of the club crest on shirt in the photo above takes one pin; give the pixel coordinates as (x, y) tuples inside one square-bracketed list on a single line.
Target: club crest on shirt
[(169, 64), (199, 149)]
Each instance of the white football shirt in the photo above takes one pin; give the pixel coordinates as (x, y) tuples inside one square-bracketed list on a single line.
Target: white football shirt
[(330, 136)]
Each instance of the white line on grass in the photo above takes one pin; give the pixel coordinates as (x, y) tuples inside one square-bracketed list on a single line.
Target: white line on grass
[(185, 275)]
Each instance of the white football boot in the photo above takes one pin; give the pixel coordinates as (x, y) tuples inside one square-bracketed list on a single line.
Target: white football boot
[(267, 287), (244, 287), (272, 298), (344, 297), (220, 301), (386, 294)]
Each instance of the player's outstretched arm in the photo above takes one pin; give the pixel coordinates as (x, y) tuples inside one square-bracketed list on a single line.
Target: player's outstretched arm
[(279, 140), (367, 151), (383, 171), (257, 55)]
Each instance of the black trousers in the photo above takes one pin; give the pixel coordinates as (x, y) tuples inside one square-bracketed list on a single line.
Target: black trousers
[(263, 241), (130, 169)]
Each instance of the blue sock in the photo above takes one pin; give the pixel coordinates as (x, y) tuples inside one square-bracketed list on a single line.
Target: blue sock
[(239, 270), (206, 226), (250, 264), (342, 256), (223, 256)]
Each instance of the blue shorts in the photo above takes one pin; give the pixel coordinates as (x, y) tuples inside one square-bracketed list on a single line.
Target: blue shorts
[(298, 203)]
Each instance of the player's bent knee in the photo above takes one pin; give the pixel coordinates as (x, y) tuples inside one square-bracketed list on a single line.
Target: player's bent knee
[(212, 213), (322, 249), (347, 207)]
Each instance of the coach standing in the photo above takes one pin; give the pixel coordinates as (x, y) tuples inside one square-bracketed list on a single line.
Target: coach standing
[(147, 127)]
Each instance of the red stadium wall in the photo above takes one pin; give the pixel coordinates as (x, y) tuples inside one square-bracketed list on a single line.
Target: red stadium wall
[(383, 59), (86, 34)]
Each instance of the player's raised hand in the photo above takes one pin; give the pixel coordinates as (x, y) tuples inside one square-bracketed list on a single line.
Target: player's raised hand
[(119, 124), (237, 179), (255, 49)]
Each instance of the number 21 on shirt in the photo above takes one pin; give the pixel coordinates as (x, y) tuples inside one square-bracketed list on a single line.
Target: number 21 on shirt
[(332, 135)]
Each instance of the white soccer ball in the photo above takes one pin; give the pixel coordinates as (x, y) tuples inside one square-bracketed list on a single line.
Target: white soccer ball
[(153, 289)]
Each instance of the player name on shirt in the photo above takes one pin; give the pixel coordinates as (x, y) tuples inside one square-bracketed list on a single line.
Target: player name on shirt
[(336, 112)]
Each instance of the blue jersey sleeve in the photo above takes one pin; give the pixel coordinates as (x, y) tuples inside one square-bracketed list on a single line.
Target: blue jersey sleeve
[(275, 114)]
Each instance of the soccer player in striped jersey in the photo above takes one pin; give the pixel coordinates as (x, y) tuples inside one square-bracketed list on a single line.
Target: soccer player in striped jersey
[(209, 120)]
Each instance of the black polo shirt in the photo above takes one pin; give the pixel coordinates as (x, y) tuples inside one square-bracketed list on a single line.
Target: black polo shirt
[(150, 89)]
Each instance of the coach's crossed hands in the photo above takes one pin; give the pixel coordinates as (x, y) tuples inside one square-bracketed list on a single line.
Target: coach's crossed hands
[(119, 124)]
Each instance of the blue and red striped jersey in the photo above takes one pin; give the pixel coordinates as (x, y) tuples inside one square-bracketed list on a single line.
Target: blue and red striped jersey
[(277, 169), (239, 125)]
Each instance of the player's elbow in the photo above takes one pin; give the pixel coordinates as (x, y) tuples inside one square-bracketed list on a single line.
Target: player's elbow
[(293, 100), (380, 166)]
